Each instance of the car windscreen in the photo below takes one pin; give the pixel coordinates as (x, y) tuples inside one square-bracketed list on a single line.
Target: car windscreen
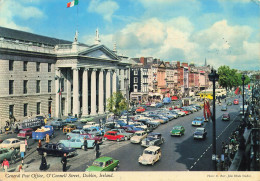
[(199, 130), (148, 152), (22, 132), (6, 142), (138, 134), (198, 119), (98, 164), (177, 128)]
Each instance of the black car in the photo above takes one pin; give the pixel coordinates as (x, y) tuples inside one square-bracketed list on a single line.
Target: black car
[(200, 133), (58, 124), (56, 149), (153, 139)]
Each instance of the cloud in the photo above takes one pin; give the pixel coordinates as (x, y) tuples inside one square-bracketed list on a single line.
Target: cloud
[(9, 10), (106, 8)]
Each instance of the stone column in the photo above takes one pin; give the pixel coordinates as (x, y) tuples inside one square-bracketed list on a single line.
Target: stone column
[(108, 84), (57, 87), (68, 91), (122, 79), (101, 93), (93, 92), (85, 92), (75, 91), (114, 82)]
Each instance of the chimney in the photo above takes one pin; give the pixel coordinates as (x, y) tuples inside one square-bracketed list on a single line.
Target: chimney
[(178, 64), (142, 60)]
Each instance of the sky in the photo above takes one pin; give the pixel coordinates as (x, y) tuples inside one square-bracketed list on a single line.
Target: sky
[(224, 32)]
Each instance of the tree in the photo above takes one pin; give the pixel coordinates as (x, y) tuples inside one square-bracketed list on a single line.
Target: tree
[(224, 76), (116, 103)]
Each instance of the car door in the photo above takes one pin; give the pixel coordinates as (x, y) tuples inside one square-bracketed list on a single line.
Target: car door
[(78, 143)]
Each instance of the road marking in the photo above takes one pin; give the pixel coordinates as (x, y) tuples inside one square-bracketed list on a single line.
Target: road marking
[(211, 144)]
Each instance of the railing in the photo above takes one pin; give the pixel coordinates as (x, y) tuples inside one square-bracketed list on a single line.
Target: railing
[(26, 47)]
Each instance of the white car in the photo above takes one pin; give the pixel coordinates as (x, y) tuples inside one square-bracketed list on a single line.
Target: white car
[(138, 136), (138, 125), (10, 143), (150, 155), (90, 124), (179, 112), (153, 104)]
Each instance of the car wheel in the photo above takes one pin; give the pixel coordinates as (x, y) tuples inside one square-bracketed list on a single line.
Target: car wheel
[(105, 138), (159, 158), (152, 163), (45, 153), (13, 158), (117, 140), (115, 168), (126, 138), (82, 147)]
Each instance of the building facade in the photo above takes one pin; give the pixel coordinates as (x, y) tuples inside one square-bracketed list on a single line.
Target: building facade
[(41, 75)]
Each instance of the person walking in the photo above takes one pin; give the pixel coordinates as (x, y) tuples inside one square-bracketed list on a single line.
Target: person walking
[(97, 149), (40, 144), (47, 138), (5, 164), (43, 165), (64, 162), (85, 144)]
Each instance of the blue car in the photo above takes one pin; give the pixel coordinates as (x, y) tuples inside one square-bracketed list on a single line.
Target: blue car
[(77, 142), (70, 119), (94, 130), (198, 121), (158, 105)]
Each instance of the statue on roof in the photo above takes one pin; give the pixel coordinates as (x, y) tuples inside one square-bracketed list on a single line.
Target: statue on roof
[(76, 36)]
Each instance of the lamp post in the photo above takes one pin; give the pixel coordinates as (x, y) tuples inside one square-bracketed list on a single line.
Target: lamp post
[(243, 79), (213, 76)]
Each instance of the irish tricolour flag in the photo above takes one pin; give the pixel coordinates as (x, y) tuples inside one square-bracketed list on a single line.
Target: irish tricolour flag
[(72, 3)]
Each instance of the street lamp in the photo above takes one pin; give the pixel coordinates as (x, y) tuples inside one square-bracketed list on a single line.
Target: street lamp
[(243, 79), (213, 76)]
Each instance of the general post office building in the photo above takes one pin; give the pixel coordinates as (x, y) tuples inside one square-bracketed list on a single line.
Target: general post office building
[(41, 75)]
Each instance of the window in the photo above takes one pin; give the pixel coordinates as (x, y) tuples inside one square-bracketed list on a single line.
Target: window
[(38, 86), (11, 65), (49, 85), (135, 72), (135, 80), (11, 86), (25, 107), (25, 63), (62, 84), (38, 65), (11, 110), (119, 84), (25, 82), (38, 108), (49, 67)]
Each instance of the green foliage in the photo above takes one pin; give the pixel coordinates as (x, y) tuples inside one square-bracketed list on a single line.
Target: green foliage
[(229, 78), (116, 103)]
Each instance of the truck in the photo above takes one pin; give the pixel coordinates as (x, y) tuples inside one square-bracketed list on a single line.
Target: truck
[(33, 123), (40, 133)]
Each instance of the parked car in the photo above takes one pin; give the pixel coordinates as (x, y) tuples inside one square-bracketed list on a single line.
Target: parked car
[(153, 139), (138, 136), (180, 113), (56, 149), (94, 130), (25, 133), (114, 135), (198, 121), (153, 104), (68, 128), (86, 119), (104, 164), (70, 119), (159, 104), (58, 124), (226, 117), (235, 102), (177, 131), (140, 110), (10, 143), (224, 108), (150, 155), (77, 142), (9, 154), (124, 133), (200, 133), (91, 124)]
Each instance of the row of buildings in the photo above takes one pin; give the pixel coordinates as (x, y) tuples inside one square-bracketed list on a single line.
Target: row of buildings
[(41, 75)]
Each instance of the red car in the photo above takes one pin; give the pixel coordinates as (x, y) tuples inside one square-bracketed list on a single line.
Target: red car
[(226, 117), (236, 102), (25, 133), (140, 110), (113, 135)]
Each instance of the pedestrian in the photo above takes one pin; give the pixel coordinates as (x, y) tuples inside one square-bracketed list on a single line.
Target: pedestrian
[(40, 144), (45, 121), (97, 149), (26, 144), (47, 138), (43, 165), (5, 164), (85, 143), (64, 162)]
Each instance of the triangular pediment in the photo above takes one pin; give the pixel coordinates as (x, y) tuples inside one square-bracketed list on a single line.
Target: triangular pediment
[(100, 52), (162, 65)]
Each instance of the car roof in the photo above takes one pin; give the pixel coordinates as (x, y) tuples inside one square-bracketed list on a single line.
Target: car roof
[(153, 148), (139, 131), (26, 129), (104, 159), (177, 126), (111, 131), (154, 134), (11, 139), (200, 128)]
